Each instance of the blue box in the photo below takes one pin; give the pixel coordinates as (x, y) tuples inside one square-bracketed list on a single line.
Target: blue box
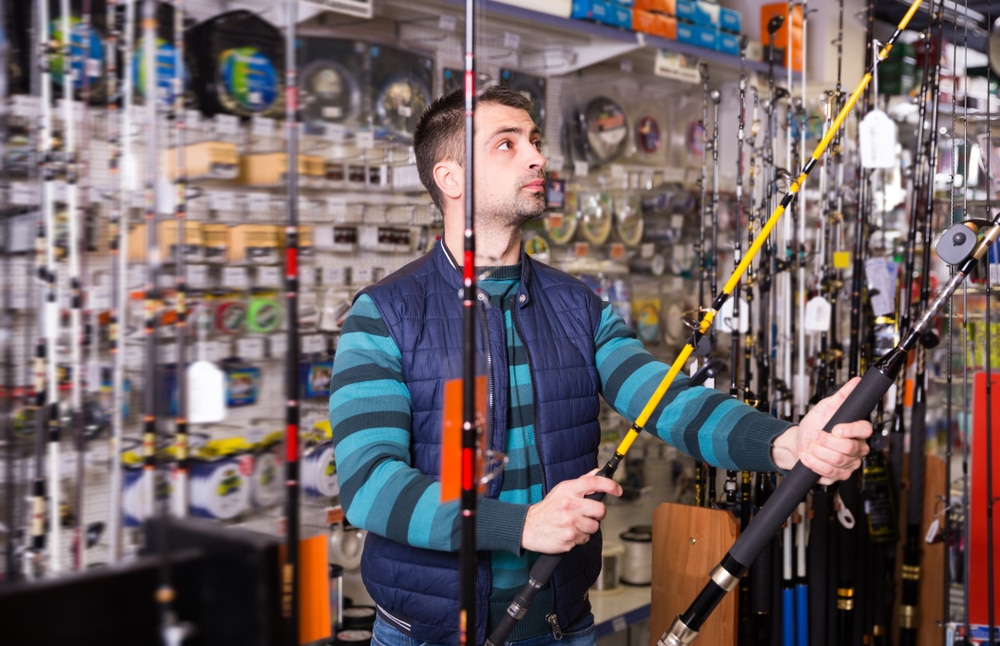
[(687, 10), (602, 11), (728, 43), (708, 14), (730, 20), (697, 35)]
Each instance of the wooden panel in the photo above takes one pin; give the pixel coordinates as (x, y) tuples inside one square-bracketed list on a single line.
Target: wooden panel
[(688, 542)]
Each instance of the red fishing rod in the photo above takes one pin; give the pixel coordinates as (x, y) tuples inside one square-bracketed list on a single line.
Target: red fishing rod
[(290, 576), (470, 426)]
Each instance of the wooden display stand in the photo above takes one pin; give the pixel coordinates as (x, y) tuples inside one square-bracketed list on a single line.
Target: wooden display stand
[(930, 606), (688, 542)]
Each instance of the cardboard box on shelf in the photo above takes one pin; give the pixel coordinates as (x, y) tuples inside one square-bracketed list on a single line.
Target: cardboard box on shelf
[(788, 57), (655, 24)]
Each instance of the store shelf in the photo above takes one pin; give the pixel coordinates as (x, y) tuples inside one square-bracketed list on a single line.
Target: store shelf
[(590, 42)]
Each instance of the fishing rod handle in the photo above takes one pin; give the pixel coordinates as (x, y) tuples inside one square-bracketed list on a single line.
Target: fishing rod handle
[(793, 489), (794, 486), (540, 574)]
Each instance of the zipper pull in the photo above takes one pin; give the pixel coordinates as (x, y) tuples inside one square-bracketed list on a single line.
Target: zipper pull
[(554, 622)]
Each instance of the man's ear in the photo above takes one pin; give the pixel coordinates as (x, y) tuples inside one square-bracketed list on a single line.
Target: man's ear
[(450, 178)]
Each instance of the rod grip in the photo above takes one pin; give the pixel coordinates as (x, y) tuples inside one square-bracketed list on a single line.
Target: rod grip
[(794, 487)]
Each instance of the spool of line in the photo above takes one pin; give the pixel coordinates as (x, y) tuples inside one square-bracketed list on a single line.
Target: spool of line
[(219, 488), (637, 565), (359, 618), (319, 472)]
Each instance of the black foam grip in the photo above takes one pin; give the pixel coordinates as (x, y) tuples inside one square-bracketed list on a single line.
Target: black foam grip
[(794, 487)]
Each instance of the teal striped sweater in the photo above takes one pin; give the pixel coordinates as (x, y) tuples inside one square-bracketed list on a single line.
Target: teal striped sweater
[(369, 415)]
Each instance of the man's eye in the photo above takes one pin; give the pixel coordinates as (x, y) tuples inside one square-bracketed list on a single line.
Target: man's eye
[(537, 145), (504, 145)]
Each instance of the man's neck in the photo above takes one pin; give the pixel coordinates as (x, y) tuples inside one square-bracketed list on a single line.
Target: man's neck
[(492, 248)]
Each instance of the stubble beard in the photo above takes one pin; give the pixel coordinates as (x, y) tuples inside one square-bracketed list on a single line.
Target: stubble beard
[(514, 214)]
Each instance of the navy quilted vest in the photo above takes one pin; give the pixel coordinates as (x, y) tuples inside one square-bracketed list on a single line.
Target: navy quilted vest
[(557, 317)]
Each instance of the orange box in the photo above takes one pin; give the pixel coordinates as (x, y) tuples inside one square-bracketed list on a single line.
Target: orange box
[(668, 7), (791, 58), (655, 24)]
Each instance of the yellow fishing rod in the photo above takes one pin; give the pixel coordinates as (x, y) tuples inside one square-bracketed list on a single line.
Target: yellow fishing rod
[(686, 627)]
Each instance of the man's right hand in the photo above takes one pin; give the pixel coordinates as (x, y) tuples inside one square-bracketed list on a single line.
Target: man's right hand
[(566, 517)]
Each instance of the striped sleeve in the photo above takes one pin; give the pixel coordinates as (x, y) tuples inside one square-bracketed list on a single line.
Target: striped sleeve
[(704, 423), (370, 417)]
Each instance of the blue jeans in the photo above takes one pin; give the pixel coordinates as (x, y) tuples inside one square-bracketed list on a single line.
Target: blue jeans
[(384, 634)]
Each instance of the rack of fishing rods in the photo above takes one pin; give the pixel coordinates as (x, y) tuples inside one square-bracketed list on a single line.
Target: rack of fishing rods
[(65, 326), (836, 585)]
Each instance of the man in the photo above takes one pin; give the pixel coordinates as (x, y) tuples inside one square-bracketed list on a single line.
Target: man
[(550, 349)]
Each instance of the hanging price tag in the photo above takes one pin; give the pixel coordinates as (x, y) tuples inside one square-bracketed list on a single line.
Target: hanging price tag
[(227, 124), (877, 140), (818, 311), (726, 321), (235, 277), (313, 343), (263, 126), (221, 200), (250, 348), (364, 139), (446, 22)]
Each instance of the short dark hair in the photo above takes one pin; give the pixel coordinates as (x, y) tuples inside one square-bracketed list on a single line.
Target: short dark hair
[(440, 132)]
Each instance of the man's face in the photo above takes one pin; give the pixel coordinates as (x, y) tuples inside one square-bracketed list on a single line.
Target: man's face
[(510, 182)]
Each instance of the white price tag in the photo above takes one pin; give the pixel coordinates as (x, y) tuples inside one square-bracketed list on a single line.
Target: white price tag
[(334, 276), (250, 348), (197, 276), (235, 277), (25, 106), (818, 311), (259, 203), (307, 277), (447, 22), (364, 139), (727, 322), (313, 343), (269, 276), (99, 297), (581, 168), (877, 140), (362, 275), (277, 346), (227, 124), (222, 200), (882, 285), (22, 194), (263, 126), (511, 40), (133, 356), (192, 119), (167, 353)]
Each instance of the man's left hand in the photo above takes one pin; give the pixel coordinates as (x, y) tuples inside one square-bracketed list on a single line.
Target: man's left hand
[(834, 455)]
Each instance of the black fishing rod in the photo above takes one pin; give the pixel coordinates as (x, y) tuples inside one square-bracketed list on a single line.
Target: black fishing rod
[(542, 571), (953, 249), (749, 397), (734, 373), (293, 415), (908, 611), (800, 479), (704, 475), (471, 427)]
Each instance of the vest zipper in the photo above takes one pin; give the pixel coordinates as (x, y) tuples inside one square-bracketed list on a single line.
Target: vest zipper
[(487, 432), (557, 633)]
